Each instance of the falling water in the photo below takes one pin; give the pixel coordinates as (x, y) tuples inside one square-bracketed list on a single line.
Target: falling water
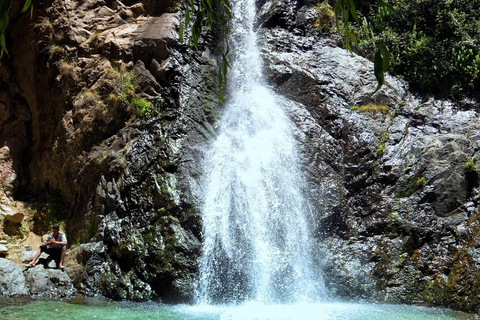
[(256, 232)]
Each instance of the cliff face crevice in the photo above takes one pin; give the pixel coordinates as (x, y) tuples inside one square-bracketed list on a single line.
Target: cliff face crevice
[(102, 106)]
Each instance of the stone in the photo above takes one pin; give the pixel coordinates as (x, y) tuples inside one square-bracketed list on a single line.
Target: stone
[(49, 283), (27, 256), (145, 79), (12, 279), (137, 9), (155, 37), (3, 250), (13, 216)]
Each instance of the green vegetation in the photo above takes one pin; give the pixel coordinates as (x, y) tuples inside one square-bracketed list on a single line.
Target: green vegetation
[(435, 43), (142, 108), (210, 15), (126, 92), (383, 141), (470, 166), (89, 98), (325, 21), (346, 10), (50, 209), (421, 182)]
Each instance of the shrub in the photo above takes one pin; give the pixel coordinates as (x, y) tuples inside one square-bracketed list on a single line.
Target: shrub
[(434, 43), (383, 141), (142, 108), (325, 20)]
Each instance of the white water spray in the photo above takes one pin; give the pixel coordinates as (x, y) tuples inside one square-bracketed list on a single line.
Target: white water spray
[(256, 233)]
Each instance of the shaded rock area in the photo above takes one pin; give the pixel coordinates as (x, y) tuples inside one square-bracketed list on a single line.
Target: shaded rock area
[(104, 119)]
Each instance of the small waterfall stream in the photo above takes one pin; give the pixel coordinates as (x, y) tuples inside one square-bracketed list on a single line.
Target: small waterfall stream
[(257, 245)]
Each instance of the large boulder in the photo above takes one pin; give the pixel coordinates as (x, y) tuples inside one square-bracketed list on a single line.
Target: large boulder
[(52, 283), (38, 281), (12, 279)]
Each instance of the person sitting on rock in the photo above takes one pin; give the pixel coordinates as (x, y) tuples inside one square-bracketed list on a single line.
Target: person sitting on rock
[(55, 246)]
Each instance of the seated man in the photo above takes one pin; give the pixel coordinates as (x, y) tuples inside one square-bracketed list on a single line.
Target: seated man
[(55, 245)]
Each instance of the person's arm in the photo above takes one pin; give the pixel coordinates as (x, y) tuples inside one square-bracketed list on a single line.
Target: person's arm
[(63, 240)]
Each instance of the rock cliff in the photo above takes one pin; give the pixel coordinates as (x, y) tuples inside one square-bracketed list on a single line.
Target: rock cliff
[(105, 115)]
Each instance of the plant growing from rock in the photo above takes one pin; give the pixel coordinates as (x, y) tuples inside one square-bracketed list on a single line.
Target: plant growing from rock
[(383, 141), (325, 20), (141, 108), (421, 182), (470, 166)]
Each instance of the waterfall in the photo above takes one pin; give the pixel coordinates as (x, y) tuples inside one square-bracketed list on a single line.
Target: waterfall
[(257, 243)]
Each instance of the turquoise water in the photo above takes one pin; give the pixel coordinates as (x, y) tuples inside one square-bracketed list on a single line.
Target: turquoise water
[(95, 309)]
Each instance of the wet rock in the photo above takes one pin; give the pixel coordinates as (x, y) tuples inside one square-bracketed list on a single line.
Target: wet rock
[(407, 207), (156, 37)]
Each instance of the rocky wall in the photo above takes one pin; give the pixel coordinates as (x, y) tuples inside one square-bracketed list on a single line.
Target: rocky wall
[(105, 115), (397, 202)]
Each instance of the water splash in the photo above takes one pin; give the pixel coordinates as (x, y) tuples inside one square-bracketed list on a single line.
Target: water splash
[(256, 232)]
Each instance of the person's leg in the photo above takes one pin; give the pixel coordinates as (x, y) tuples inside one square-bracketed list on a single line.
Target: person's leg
[(62, 256), (34, 261)]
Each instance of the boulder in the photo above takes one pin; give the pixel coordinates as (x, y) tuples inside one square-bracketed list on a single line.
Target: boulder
[(51, 283), (12, 279), (155, 38), (12, 215), (3, 250)]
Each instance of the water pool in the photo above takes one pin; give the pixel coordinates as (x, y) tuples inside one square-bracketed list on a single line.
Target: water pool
[(21, 309)]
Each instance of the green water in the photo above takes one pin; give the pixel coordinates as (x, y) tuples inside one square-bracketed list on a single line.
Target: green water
[(19, 309)]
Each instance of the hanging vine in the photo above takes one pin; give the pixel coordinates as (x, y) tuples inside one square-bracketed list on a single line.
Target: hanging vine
[(205, 16), (345, 10)]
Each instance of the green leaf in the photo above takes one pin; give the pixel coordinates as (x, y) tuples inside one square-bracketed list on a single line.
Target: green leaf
[(27, 5), (385, 5), (187, 16), (228, 11), (3, 45), (225, 65), (338, 10), (385, 56), (180, 32), (353, 11), (353, 37)]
